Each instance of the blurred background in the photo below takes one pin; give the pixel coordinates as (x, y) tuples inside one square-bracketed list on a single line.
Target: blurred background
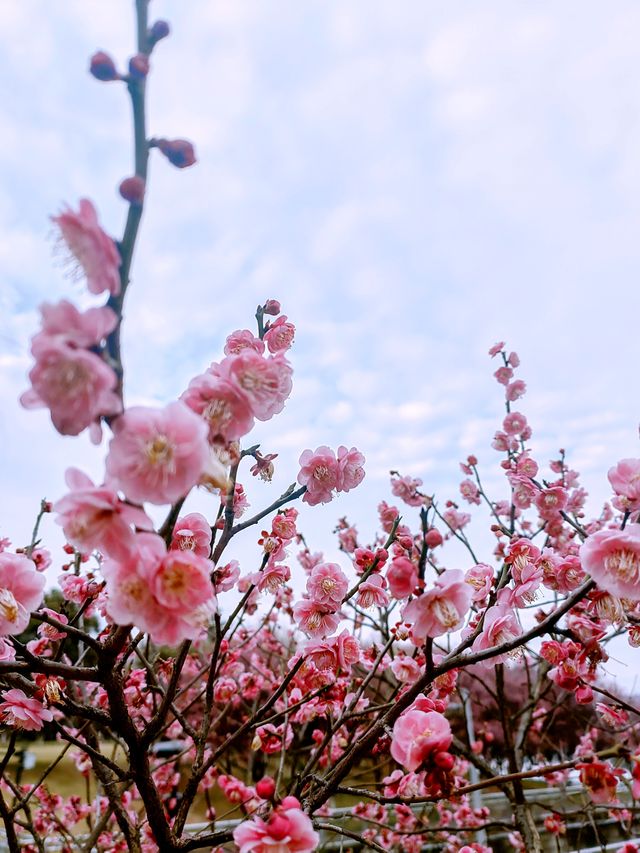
[(413, 181)]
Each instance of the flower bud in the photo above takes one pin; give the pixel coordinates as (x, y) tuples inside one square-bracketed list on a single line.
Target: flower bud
[(443, 760), (179, 152), (271, 306), (279, 827), (139, 66), (103, 67), (266, 788), (132, 189), (433, 538), (159, 30)]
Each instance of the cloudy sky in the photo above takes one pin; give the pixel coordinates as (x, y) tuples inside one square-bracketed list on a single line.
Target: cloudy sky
[(413, 181)]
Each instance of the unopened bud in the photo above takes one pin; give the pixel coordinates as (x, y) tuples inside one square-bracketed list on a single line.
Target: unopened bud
[(103, 67), (443, 760), (139, 66), (266, 788), (132, 189), (179, 152), (433, 538), (271, 306), (159, 30)]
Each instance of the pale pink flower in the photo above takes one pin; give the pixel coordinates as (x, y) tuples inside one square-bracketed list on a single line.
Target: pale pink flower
[(515, 390), (157, 455), (406, 669), (265, 382), (95, 251), (456, 519), (417, 735), (314, 620), (64, 324), (272, 577), (500, 626), (347, 649), (480, 578), (612, 558), (279, 336), (327, 585), (388, 515), (243, 339), (94, 517), (21, 588), (22, 712), (350, 470), (514, 423), (74, 384), (402, 577), (284, 524), (7, 651), (625, 481), (470, 492), (406, 488), (222, 405), (496, 348), (320, 473), (504, 375), (288, 830), (130, 597), (551, 501), (440, 609), (192, 533), (372, 593)]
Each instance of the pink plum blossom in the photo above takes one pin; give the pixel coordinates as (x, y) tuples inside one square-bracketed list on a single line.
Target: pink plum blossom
[(95, 251), (372, 592), (612, 558), (326, 585), (320, 473), (350, 468), (315, 620), (264, 382), (94, 517), (480, 578), (402, 577), (62, 323), (500, 626), (625, 481), (243, 339), (192, 533), (23, 712), (440, 609), (279, 336), (74, 384), (21, 588), (406, 488), (157, 455), (221, 403), (288, 830), (417, 735)]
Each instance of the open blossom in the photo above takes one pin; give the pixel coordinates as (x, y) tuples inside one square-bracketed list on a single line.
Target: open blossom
[(372, 593), (74, 384), (279, 336), (157, 455), (21, 588), (94, 517), (221, 404), (418, 734), (327, 585), (350, 468), (612, 558), (500, 626), (440, 609), (192, 533), (480, 578), (264, 382), (600, 779), (406, 488), (315, 620), (319, 472), (167, 594), (243, 339), (64, 324), (95, 252), (288, 830), (23, 712), (625, 481)]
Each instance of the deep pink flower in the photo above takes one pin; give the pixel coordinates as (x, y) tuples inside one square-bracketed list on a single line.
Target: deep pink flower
[(21, 588), (279, 336), (350, 470), (417, 735), (94, 517), (222, 405), (74, 384), (402, 577), (440, 609), (327, 585), (95, 251), (157, 455), (320, 473), (22, 712), (601, 780), (612, 558), (288, 830), (265, 382)]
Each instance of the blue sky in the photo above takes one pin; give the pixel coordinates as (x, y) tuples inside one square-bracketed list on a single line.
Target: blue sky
[(412, 180)]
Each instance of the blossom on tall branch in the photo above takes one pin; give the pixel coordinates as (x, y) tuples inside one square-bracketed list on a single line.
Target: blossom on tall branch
[(21, 588), (612, 558), (440, 609)]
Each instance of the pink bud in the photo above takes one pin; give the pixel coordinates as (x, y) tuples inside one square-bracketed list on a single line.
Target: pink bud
[(271, 306), (159, 30), (103, 67), (291, 803), (266, 788), (584, 695), (139, 66), (132, 189), (179, 152), (433, 538), (443, 760), (279, 827)]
